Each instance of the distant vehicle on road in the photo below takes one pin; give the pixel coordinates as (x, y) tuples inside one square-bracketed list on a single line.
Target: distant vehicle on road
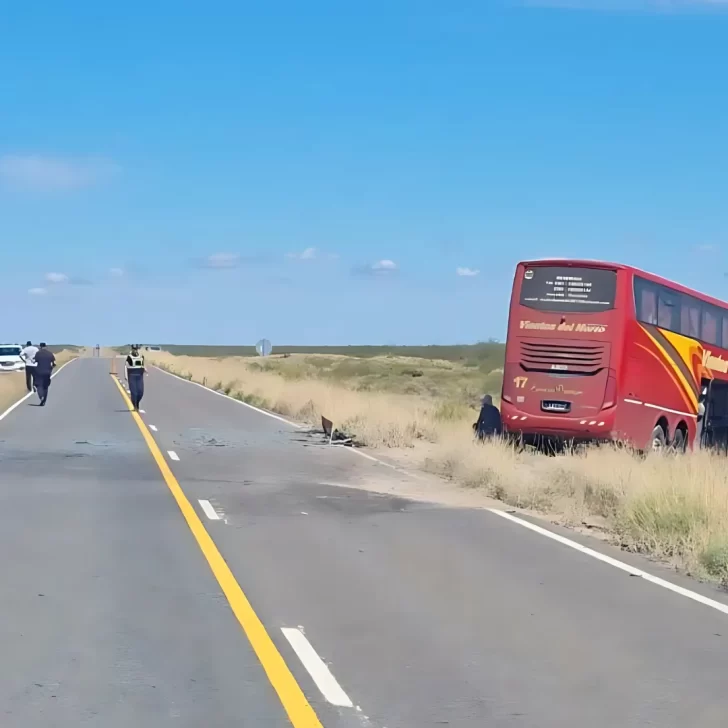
[(604, 351), (10, 360), (153, 348)]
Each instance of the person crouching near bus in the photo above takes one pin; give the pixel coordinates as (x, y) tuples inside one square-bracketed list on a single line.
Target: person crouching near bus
[(489, 423)]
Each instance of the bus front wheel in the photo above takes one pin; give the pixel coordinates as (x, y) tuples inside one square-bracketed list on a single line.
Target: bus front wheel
[(657, 439)]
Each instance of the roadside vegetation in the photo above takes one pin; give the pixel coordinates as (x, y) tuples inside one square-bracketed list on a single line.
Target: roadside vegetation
[(420, 411)]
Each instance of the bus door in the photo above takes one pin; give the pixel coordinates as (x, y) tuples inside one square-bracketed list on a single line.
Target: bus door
[(715, 423)]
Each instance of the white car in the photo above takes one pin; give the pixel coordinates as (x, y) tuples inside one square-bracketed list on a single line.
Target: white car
[(10, 360)]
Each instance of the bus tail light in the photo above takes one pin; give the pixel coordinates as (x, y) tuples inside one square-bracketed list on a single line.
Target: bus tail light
[(610, 394)]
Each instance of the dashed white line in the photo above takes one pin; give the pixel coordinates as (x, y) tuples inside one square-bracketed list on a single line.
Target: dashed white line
[(210, 512), (153, 428), (143, 411), (172, 454), (631, 570), (317, 668)]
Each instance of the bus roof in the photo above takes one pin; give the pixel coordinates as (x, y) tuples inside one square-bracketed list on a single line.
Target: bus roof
[(588, 263)]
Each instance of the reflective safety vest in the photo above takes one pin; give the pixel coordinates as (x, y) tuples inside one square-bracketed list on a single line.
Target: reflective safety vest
[(137, 362)]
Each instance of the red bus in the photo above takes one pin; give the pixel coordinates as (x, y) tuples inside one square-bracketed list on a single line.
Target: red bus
[(603, 351)]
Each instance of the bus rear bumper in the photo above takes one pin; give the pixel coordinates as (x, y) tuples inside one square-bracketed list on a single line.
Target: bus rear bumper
[(599, 427)]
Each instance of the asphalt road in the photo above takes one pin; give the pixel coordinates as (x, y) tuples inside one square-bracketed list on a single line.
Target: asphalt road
[(117, 613)]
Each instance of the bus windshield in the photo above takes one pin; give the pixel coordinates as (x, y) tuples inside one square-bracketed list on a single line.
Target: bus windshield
[(566, 288)]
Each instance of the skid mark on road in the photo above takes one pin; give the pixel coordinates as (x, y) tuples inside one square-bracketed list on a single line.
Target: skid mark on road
[(292, 698)]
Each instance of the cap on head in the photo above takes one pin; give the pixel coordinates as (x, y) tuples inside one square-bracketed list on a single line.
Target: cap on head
[(42, 344), (29, 343), (487, 399)]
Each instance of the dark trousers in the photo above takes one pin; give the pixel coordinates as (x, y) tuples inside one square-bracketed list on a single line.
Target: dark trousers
[(42, 383), (136, 389), (29, 375)]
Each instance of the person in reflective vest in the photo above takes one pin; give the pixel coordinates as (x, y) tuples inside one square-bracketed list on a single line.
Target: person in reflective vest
[(135, 376)]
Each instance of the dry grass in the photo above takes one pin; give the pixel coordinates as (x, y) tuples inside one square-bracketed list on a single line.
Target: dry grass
[(673, 508)]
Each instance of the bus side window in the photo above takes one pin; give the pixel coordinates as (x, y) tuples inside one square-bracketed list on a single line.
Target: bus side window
[(724, 341), (710, 325), (690, 318), (646, 301), (668, 310)]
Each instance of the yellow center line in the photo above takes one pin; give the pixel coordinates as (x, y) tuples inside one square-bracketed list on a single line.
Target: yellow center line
[(299, 711)]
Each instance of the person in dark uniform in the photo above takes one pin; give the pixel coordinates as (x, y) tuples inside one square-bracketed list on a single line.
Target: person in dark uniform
[(489, 420), (45, 363), (135, 376)]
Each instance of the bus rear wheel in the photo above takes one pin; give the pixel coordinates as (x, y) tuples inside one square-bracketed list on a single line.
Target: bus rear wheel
[(657, 439), (680, 441)]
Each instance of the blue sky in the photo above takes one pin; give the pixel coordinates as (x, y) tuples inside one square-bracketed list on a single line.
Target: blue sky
[(334, 173)]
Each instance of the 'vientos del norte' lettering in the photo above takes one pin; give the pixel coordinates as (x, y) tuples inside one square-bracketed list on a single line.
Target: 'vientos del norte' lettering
[(581, 328)]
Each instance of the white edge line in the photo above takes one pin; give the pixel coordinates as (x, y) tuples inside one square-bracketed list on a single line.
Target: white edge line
[(29, 394), (209, 510), (288, 422), (631, 570), (153, 428), (172, 454), (317, 668)]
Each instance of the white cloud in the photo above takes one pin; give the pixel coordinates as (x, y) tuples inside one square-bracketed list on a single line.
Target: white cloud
[(467, 272), (307, 254), (116, 272), (37, 172), (384, 265), (37, 291), (56, 278), (222, 260), (707, 248)]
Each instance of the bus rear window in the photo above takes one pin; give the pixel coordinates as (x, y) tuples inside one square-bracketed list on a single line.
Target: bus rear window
[(564, 288)]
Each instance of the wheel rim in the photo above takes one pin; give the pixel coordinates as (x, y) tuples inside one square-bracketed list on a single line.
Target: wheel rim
[(656, 444)]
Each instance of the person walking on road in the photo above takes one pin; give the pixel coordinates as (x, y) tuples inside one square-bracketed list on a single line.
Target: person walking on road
[(135, 376), (27, 354), (45, 363)]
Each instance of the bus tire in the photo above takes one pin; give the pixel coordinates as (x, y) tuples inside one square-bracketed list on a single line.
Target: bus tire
[(680, 441), (658, 439)]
